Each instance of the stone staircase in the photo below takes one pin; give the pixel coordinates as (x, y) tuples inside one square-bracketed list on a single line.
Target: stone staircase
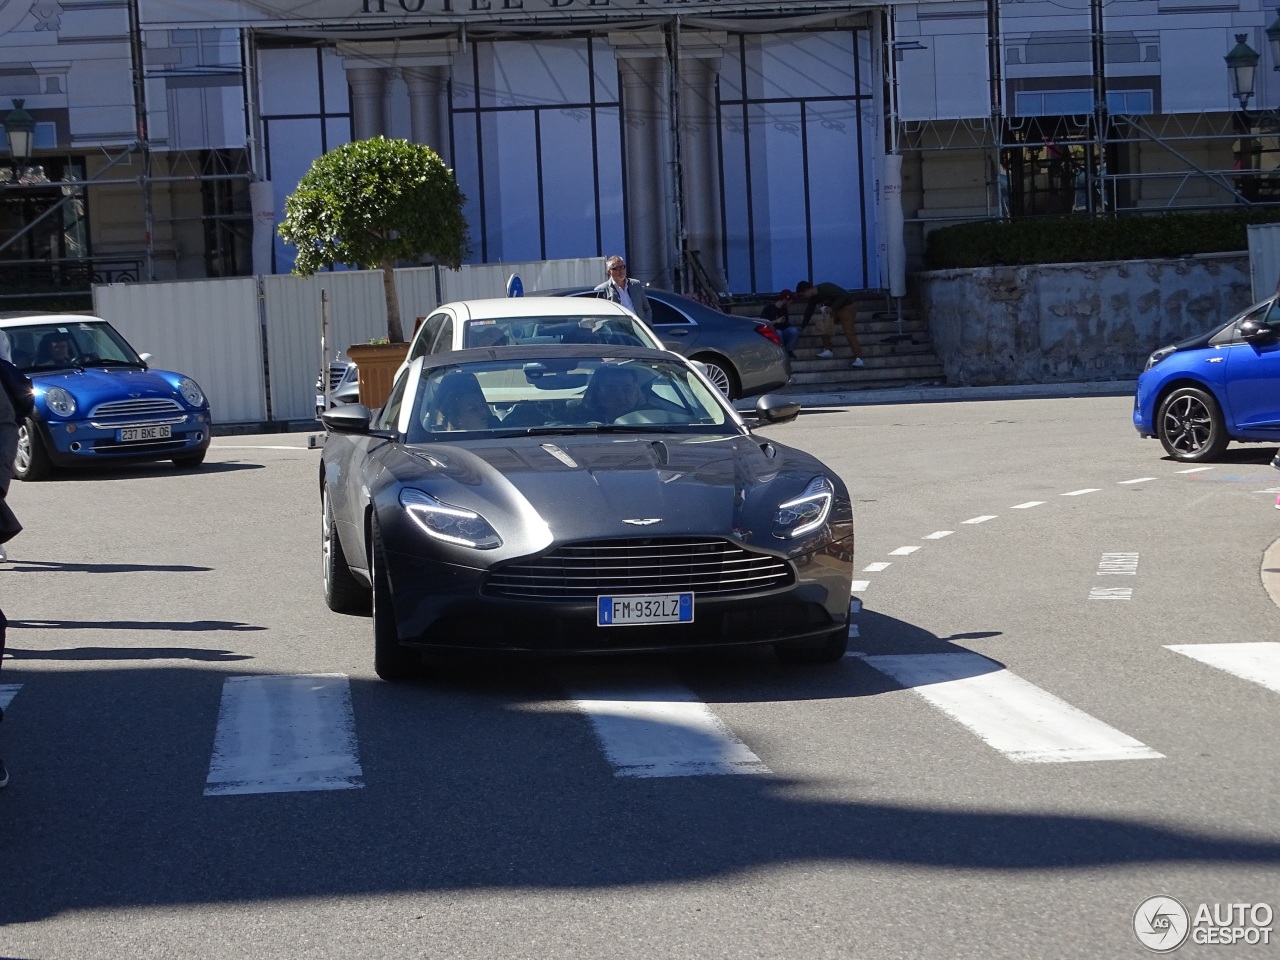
[(896, 355)]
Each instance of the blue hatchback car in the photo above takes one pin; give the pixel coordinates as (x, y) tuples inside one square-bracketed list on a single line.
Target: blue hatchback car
[(97, 401), (1203, 392)]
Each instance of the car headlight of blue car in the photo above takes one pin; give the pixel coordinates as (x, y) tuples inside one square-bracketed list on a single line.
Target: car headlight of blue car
[(60, 401)]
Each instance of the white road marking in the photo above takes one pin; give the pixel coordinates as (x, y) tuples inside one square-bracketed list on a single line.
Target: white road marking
[(1111, 593), (903, 551), (1025, 723), (853, 631), (855, 606), (1196, 470), (253, 446), (282, 734), (1137, 480), (982, 519), (1080, 493), (1118, 564), (859, 585), (1028, 505), (938, 535), (7, 693), (877, 567), (662, 730), (1259, 662)]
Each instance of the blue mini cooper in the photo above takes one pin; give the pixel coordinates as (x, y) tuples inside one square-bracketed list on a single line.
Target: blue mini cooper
[(1203, 392), (97, 401)]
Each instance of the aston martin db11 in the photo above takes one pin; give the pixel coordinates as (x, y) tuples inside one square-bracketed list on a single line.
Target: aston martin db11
[(578, 499)]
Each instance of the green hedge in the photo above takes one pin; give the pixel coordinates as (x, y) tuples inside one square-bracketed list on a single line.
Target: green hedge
[(1015, 242)]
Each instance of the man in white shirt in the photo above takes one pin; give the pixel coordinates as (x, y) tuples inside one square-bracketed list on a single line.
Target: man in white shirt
[(629, 293)]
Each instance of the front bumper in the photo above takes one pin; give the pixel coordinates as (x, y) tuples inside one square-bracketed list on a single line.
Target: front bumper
[(81, 442), (443, 607)]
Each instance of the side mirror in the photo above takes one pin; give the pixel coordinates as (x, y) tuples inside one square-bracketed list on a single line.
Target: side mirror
[(772, 408), (1255, 331), (146, 359), (347, 418), (701, 367)]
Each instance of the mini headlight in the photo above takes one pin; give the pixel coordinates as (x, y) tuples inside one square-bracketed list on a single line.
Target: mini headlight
[(1157, 357), (806, 512), (60, 401), (448, 523), (191, 392)]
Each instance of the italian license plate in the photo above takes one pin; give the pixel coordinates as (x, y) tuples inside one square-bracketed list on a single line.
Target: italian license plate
[(138, 434), (648, 608)]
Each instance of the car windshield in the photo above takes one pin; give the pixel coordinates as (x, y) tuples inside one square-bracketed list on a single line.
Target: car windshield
[(40, 348), (612, 329), (563, 395)]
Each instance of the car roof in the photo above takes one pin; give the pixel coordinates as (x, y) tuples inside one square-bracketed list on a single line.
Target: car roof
[(543, 351), (47, 318), (498, 308)]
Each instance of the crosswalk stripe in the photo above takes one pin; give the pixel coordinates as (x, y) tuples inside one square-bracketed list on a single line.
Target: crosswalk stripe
[(7, 692), (1025, 723), (283, 734), (661, 730), (1259, 662)]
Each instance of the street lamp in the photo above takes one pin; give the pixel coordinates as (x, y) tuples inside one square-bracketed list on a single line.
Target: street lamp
[(1242, 62), (19, 129), (1273, 38)]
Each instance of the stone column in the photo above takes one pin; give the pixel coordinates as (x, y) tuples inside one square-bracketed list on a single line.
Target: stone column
[(429, 108), (368, 99), (652, 250), (699, 69)]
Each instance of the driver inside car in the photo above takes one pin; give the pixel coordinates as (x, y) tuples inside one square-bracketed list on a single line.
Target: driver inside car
[(612, 393), (56, 350)]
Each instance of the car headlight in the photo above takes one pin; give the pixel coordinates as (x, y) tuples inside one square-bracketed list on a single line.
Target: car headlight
[(191, 392), (1157, 357), (60, 401), (806, 512), (450, 524)]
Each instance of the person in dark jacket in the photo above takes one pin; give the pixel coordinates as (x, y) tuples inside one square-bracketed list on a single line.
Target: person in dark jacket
[(620, 289), (776, 314), (839, 307)]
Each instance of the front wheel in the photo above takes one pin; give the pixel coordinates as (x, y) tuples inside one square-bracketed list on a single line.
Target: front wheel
[(1190, 425), (828, 649), (32, 462), (343, 593), (190, 459), (720, 373), (391, 661)]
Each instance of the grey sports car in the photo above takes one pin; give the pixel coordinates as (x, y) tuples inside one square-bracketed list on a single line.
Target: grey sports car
[(583, 499)]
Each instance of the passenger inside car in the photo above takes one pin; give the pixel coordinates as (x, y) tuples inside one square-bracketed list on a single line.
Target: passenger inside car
[(460, 404)]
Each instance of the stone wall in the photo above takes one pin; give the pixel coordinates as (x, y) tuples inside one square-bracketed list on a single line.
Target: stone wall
[(1074, 321)]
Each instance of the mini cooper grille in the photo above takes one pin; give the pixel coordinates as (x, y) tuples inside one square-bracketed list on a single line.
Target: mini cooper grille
[(135, 408), (583, 570)]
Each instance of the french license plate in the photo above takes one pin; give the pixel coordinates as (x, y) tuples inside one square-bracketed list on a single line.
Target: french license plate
[(649, 608), (138, 434)]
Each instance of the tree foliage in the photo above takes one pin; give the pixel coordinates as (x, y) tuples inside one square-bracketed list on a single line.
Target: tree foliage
[(371, 203)]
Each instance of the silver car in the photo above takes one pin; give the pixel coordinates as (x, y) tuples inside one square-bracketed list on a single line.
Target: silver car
[(741, 355)]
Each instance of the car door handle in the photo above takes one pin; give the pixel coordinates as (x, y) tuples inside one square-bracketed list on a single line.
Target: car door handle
[(677, 333)]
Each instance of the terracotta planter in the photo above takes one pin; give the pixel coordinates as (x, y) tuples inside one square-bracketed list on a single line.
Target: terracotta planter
[(376, 366)]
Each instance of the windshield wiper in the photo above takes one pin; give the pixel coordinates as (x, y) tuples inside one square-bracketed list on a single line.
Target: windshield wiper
[(602, 428), (107, 362)]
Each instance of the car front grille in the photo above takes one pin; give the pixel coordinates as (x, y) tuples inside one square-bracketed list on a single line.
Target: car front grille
[(582, 571), (132, 409)]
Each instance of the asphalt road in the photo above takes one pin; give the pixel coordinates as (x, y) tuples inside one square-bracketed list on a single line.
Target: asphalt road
[(480, 817)]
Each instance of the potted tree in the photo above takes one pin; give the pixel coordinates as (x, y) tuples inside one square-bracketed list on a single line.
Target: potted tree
[(371, 203)]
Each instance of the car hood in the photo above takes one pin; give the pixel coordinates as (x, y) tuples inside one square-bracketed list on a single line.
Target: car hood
[(596, 486), (95, 384)]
